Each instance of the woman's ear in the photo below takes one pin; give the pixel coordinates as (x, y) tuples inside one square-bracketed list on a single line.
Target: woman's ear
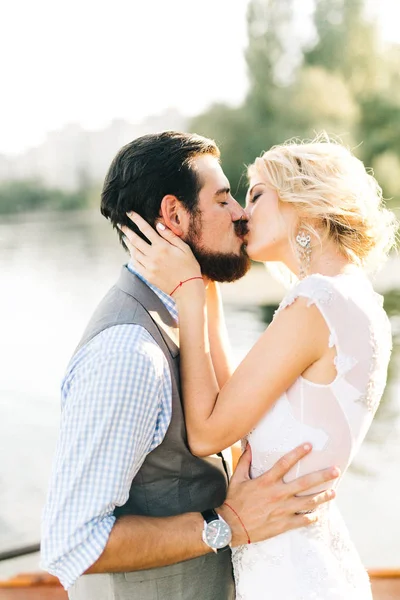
[(174, 215)]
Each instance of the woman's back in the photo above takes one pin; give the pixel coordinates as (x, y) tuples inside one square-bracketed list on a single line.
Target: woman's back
[(334, 417)]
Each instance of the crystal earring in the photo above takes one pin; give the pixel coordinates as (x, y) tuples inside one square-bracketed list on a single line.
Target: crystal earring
[(303, 242)]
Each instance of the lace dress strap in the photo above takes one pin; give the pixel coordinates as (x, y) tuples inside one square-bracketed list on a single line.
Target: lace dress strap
[(358, 327), (317, 288), (320, 291)]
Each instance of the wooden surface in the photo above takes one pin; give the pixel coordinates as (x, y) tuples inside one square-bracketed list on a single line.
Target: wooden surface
[(36, 593), (385, 586), (32, 586)]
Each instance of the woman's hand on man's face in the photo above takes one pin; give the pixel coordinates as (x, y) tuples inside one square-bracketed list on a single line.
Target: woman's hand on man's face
[(167, 261)]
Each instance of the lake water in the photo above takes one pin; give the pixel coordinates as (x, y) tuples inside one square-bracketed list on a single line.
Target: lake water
[(54, 270)]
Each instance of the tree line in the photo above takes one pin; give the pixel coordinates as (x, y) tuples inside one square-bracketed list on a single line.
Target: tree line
[(340, 78)]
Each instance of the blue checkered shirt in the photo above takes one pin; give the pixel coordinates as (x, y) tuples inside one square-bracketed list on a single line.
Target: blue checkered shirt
[(115, 409)]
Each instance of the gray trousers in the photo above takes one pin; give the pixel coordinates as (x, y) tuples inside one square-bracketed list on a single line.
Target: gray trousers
[(208, 577)]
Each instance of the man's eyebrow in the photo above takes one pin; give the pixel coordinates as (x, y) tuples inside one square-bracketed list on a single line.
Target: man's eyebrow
[(224, 190)]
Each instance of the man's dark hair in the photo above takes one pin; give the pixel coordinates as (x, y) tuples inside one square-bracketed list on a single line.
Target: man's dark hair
[(147, 169)]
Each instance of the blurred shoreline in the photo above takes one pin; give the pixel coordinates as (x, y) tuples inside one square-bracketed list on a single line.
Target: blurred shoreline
[(55, 268), (259, 287)]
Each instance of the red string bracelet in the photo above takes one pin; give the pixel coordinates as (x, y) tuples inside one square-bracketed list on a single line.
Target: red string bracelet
[(241, 522), (180, 284)]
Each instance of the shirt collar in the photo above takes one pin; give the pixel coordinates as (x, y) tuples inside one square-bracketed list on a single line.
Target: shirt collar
[(168, 302)]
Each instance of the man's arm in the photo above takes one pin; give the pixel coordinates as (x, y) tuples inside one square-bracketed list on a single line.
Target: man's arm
[(137, 543), (115, 410), (102, 444), (266, 505)]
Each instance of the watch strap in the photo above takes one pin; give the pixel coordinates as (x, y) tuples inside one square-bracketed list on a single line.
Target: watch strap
[(224, 549), (210, 515)]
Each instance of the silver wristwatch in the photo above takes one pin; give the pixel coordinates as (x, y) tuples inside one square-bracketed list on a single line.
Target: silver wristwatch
[(216, 533)]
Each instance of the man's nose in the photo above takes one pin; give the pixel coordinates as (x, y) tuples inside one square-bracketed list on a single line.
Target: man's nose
[(238, 212)]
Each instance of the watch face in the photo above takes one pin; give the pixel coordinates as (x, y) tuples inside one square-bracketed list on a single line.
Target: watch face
[(217, 534)]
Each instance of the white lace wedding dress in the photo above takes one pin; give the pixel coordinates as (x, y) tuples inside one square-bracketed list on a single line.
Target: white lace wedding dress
[(319, 562)]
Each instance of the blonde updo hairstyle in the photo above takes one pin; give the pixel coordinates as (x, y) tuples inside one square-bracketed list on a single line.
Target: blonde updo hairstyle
[(336, 198)]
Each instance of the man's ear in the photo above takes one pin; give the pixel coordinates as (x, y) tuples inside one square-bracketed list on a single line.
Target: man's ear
[(174, 215)]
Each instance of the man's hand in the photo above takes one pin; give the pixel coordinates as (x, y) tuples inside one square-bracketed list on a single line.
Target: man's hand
[(268, 506)]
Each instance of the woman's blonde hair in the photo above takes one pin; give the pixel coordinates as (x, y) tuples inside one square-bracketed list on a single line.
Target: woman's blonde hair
[(334, 195)]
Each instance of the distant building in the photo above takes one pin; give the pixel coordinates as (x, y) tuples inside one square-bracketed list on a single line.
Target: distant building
[(72, 156)]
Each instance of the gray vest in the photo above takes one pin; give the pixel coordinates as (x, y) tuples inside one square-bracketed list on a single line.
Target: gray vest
[(171, 480)]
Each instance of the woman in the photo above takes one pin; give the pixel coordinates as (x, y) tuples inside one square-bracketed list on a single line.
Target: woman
[(319, 370)]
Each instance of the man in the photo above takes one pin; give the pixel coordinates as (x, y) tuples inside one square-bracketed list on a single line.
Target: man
[(131, 513)]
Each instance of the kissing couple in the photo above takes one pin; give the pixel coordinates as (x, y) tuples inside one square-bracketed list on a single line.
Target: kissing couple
[(141, 502)]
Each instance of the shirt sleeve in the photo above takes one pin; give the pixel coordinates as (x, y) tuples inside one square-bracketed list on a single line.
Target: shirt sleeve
[(116, 408)]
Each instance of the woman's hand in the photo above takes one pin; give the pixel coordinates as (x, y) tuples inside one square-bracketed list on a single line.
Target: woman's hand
[(167, 262)]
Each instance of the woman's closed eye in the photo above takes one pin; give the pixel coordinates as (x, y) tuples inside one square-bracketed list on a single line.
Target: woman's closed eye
[(255, 198)]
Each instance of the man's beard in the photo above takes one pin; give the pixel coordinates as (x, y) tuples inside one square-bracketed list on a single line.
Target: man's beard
[(218, 266)]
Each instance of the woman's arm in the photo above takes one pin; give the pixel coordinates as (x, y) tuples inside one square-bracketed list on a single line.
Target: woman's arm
[(215, 418), (220, 348)]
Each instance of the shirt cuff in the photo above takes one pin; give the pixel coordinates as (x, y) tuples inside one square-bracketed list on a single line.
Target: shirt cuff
[(72, 565)]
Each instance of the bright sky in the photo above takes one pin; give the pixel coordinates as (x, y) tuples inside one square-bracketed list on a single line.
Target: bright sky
[(90, 61)]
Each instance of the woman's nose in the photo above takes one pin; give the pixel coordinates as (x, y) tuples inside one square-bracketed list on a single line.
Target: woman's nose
[(247, 211)]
